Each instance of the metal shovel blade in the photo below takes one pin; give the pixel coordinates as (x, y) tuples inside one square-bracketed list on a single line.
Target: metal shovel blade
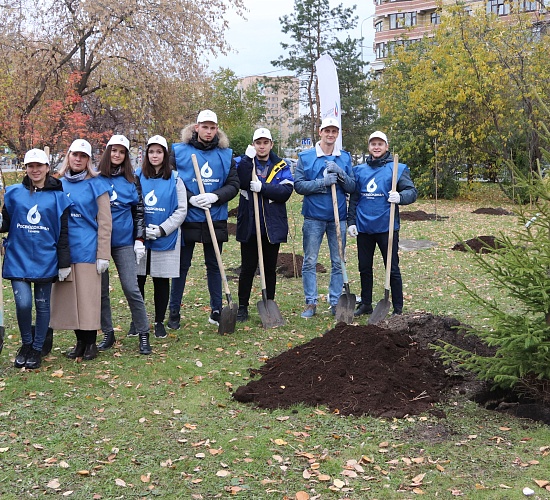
[(345, 308), (381, 310), (269, 314), (228, 319)]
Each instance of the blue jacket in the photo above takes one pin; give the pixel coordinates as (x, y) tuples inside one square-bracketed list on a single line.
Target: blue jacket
[(277, 186)]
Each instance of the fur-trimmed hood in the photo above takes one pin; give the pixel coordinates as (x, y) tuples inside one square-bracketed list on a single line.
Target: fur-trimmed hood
[(189, 130)]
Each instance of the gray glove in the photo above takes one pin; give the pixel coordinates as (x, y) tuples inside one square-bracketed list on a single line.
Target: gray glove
[(333, 168), (330, 179)]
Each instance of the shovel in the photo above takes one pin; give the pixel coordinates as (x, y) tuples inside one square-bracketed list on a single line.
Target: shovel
[(268, 310), (383, 307), (346, 303), (2, 329), (228, 315)]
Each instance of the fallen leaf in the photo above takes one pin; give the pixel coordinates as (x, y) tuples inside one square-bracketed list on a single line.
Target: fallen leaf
[(68, 493), (306, 474), (57, 373), (302, 495), (418, 491), (339, 483), (3, 450), (541, 483), (54, 484), (120, 482), (323, 477), (280, 442), (145, 478), (37, 446), (83, 472), (418, 479)]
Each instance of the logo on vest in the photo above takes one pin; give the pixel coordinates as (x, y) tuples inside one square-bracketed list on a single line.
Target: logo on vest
[(206, 171), (33, 215), (114, 196), (150, 199), (372, 186)]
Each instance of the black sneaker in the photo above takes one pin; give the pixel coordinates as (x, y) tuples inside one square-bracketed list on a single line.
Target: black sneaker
[(363, 309), (242, 314), (21, 356), (214, 318), (132, 331), (174, 319), (160, 331), (107, 342), (34, 359)]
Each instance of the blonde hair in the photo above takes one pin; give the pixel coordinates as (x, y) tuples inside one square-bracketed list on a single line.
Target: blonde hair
[(92, 172)]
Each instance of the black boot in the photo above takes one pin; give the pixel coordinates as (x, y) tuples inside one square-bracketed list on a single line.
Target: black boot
[(107, 342), (48, 343), (21, 356), (174, 319), (160, 331), (90, 352), (77, 351), (34, 360), (242, 314), (144, 346)]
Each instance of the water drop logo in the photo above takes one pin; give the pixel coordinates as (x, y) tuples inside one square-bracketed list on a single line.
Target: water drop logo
[(206, 171), (114, 196), (372, 186), (150, 199), (33, 215)]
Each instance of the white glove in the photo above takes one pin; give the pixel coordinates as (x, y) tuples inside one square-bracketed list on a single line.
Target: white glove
[(250, 151), (193, 201), (63, 273), (394, 197), (102, 265), (152, 232), (352, 231), (256, 186), (206, 200), (139, 250)]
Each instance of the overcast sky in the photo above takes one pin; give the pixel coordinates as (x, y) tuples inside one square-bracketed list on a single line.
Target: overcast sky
[(257, 41)]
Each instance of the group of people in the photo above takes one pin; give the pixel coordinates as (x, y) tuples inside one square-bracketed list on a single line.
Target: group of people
[(63, 232)]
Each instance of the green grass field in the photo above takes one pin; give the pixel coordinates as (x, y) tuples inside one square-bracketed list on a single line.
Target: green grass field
[(165, 425)]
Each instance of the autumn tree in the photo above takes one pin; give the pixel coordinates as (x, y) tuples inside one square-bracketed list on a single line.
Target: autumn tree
[(115, 52)]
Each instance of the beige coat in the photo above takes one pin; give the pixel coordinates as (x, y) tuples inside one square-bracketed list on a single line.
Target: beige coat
[(76, 302)]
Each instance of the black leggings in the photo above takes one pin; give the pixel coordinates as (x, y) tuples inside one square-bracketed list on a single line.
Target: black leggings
[(161, 294)]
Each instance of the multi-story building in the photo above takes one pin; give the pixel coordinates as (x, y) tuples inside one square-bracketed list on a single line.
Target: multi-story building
[(281, 102), (400, 22)]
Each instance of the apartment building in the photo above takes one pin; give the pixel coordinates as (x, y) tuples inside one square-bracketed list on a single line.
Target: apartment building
[(401, 22), (282, 104)]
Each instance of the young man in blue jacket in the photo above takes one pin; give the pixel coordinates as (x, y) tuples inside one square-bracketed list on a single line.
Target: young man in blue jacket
[(317, 170), (369, 217), (274, 186)]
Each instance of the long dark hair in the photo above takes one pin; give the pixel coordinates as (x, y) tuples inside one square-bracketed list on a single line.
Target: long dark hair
[(126, 165), (148, 169)]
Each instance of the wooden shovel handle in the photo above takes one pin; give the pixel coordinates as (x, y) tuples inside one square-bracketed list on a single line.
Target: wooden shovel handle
[(392, 219), (338, 232), (258, 229), (210, 225)]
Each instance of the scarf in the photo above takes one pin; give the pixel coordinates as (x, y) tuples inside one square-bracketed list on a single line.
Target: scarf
[(71, 177)]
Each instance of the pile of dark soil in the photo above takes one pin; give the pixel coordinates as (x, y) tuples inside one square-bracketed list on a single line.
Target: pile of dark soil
[(232, 228), (387, 371), (492, 211), (233, 212), (285, 265), (356, 370), (479, 244), (420, 215)]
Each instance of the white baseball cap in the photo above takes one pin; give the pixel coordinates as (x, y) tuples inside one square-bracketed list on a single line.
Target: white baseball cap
[(329, 121), (378, 135), (36, 156), (207, 116), (119, 139), (82, 146), (262, 133), (158, 139)]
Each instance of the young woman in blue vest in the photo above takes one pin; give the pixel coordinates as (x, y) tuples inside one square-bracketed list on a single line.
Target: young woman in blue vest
[(165, 203), (127, 241), (369, 217), (76, 302), (36, 215)]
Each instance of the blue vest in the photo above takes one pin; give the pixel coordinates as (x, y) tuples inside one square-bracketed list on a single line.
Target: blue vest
[(319, 205), (214, 166), (373, 210), (160, 199), (35, 224), (83, 217), (124, 196)]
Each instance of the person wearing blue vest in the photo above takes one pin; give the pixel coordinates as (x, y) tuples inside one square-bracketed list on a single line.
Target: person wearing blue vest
[(127, 241), (35, 215), (165, 209), (317, 170), (76, 301), (274, 186), (221, 184), (369, 217)]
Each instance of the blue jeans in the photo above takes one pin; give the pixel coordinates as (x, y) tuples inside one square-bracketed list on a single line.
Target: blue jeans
[(125, 262), (313, 231), (213, 276), (22, 293)]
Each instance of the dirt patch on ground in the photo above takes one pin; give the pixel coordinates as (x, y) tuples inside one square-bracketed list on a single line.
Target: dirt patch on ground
[(420, 215), (492, 211), (357, 370), (285, 266), (479, 244), (233, 212)]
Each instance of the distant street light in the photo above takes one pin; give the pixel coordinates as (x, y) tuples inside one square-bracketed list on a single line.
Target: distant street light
[(362, 44)]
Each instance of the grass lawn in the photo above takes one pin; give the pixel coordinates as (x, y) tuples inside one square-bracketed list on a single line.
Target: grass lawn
[(165, 425)]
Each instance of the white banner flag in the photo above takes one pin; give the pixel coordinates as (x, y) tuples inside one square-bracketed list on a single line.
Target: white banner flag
[(329, 92)]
